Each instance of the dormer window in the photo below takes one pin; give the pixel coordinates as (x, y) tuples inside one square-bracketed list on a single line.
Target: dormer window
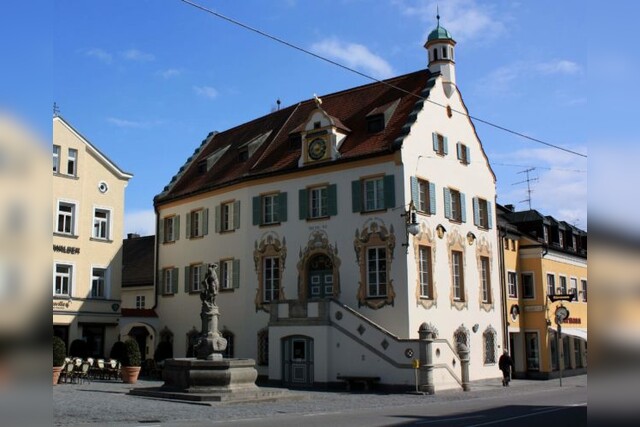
[(243, 155), (295, 141), (316, 125), (202, 167), (375, 123)]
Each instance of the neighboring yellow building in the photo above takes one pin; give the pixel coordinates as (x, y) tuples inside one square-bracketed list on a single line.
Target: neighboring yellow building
[(543, 257), (88, 221)]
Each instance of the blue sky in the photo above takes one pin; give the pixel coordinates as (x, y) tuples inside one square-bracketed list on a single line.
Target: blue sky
[(147, 80)]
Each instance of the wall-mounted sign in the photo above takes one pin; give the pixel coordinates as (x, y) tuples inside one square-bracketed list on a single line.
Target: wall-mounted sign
[(60, 305), (66, 249), (530, 308), (562, 297), (573, 320)]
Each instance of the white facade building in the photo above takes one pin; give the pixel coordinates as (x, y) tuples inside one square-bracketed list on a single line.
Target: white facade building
[(306, 211)]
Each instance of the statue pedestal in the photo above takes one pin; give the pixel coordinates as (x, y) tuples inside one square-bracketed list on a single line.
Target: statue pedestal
[(224, 380)]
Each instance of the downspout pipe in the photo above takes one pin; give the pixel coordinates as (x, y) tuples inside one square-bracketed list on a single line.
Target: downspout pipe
[(503, 296)]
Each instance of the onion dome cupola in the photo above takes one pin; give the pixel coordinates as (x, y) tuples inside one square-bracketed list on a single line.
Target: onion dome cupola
[(440, 47)]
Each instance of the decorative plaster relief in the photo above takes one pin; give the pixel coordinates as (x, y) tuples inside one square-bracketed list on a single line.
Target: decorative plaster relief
[(318, 244), (269, 245), (456, 242), (461, 336), (483, 249), (374, 234)]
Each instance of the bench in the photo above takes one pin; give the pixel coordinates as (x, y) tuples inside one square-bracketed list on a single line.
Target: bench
[(367, 382)]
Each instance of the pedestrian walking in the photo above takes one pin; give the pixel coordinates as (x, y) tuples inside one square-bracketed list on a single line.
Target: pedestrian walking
[(505, 363)]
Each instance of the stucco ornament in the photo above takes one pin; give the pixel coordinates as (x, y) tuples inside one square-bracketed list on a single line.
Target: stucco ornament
[(374, 234), (269, 246), (318, 244)]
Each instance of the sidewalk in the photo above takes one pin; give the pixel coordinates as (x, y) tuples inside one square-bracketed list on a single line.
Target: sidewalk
[(107, 402)]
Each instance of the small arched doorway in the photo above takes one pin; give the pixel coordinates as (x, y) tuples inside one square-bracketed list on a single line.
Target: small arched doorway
[(320, 277)]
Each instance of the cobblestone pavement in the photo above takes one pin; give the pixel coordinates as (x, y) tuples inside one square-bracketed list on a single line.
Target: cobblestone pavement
[(107, 402)]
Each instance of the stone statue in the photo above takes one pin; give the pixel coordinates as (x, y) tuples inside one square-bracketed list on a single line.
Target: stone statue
[(210, 343)]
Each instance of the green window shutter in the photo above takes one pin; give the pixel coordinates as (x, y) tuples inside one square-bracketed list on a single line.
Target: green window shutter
[(463, 208), (432, 198), (489, 215), (177, 226), (303, 203), (216, 218), (459, 150), (174, 280), (205, 222), (187, 272), (389, 191), (468, 154), (356, 196), (236, 214), (257, 212), (447, 203), (476, 211), (161, 231), (188, 230), (159, 282), (332, 200), (236, 273), (446, 145), (282, 207), (415, 193), (434, 136)]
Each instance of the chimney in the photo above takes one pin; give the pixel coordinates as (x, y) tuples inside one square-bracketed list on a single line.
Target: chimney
[(132, 235), (510, 208)]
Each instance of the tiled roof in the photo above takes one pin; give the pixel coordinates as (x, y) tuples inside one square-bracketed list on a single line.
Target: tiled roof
[(137, 261), (275, 156)]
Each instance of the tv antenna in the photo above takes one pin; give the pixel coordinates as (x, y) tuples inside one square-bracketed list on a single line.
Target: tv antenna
[(529, 180)]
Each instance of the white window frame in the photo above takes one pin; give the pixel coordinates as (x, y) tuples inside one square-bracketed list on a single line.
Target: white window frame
[(562, 280), (56, 158), (271, 278), (318, 202), (583, 289), (483, 213), (533, 284), (197, 223), (102, 224), (457, 275), (512, 286), (424, 196), (485, 278), (167, 277), (105, 282), (195, 277), (270, 208), (425, 285), (440, 151), (70, 275), (550, 287), (72, 217), (373, 194), (226, 217), (573, 289), (140, 302), (72, 160), (456, 205), (381, 269), (169, 237), (226, 274)]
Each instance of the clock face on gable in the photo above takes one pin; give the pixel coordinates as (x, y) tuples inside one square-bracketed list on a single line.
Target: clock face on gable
[(317, 149)]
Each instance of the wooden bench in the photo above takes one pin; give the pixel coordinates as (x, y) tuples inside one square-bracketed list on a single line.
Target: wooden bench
[(367, 382)]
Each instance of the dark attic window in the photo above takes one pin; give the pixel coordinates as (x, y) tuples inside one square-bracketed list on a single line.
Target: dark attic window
[(375, 123), (295, 142), (202, 167), (243, 155), (316, 125)]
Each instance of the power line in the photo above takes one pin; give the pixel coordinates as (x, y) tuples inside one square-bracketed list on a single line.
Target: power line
[(322, 58), (540, 167)]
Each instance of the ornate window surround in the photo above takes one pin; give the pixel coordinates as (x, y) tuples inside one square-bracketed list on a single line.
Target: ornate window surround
[(269, 245), (318, 244), (494, 334), (455, 242), (374, 234), (425, 237), (483, 249)]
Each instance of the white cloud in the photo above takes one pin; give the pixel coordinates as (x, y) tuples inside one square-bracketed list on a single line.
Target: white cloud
[(137, 55), (169, 73), (131, 124), (142, 222), (561, 66), (354, 55), (99, 54), (206, 91), (464, 19)]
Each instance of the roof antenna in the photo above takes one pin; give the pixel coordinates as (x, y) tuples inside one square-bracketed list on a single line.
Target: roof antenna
[(438, 14), (56, 110), (278, 103)]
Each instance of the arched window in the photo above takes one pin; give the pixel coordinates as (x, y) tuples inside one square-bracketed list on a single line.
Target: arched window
[(444, 52), (435, 54), (489, 343)]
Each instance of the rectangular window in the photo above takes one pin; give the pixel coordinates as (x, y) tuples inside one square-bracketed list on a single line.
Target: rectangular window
[(454, 205), (376, 272), (318, 202), (226, 220), (271, 269), (533, 354), (457, 272), (551, 284), (563, 285), (140, 301), (62, 280), (196, 223), (226, 274), (574, 242), (101, 222), (463, 153), (168, 281), (424, 196), (171, 228), (374, 194), (561, 238), (485, 278), (574, 287), (195, 277), (425, 272), (527, 285), (512, 284), (482, 213), (440, 144), (583, 284), (72, 162), (545, 233), (66, 218), (270, 209), (98, 277), (56, 159)]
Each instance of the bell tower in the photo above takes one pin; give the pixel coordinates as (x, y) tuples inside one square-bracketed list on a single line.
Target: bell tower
[(441, 53)]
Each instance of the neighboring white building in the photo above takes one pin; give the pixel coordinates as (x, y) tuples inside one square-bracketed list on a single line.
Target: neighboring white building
[(306, 211), (87, 222)]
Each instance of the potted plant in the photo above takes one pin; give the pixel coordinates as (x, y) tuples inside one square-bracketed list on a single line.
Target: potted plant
[(131, 362), (59, 353)]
